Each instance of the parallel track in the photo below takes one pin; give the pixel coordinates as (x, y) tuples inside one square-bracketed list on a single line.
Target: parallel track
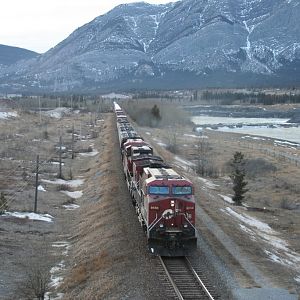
[(184, 279)]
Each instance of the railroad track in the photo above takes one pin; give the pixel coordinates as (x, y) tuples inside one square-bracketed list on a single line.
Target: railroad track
[(185, 281)]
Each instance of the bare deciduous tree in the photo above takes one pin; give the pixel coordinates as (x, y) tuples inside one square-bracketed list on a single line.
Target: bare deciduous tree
[(37, 272)]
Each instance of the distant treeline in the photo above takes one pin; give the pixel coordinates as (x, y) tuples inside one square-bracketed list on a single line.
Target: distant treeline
[(252, 98)]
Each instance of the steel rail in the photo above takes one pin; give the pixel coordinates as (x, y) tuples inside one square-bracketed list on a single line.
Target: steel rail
[(171, 280), (199, 279), (198, 282)]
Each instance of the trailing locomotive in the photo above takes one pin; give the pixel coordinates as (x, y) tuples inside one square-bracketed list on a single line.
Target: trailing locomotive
[(164, 200)]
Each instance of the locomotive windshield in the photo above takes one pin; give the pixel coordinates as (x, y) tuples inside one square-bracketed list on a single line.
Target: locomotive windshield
[(181, 190), (159, 190)]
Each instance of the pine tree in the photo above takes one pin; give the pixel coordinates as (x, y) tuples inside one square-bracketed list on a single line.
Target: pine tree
[(156, 115), (3, 204), (238, 177)]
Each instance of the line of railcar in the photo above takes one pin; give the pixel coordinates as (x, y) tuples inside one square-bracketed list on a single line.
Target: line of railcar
[(163, 199)]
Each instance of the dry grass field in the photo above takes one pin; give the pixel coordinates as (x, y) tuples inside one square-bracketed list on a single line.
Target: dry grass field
[(267, 228), (91, 245)]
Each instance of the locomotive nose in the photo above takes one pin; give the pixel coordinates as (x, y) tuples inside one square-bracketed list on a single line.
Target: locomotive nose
[(168, 214)]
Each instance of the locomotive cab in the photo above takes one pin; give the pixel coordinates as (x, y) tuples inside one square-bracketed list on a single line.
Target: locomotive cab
[(170, 212)]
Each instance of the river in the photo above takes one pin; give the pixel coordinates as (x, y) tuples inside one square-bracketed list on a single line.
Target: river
[(277, 131)]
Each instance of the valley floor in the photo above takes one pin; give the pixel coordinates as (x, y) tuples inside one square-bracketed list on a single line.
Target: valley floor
[(87, 233)]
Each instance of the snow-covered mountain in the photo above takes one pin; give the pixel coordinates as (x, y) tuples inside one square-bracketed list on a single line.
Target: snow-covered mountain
[(184, 44)]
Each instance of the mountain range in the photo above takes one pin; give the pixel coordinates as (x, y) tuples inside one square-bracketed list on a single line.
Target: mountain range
[(10, 55), (186, 44)]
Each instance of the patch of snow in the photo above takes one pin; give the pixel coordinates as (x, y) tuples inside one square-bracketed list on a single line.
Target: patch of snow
[(247, 230), (71, 183), (253, 137), (196, 136), (74, 195), (116, 96), (148, 133), (208, 183), (41, 188), (57, 113), (251, 221), (62, 244), (30, 216), (226, 198), (62, 147), (279, 253), (56, 163), (286, 143), (89, 154), (6, 115), (297, 278), (58, 296), (71, 206), (184, 162), (276, 242)]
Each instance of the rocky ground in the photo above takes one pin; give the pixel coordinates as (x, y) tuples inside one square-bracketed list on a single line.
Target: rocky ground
[(93, 243)]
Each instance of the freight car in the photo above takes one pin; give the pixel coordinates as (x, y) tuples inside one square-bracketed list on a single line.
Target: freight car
[(163, 199)]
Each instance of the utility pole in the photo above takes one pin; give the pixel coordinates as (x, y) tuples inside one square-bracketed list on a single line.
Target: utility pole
[(40, 109), (36, 184), (60, 154), (73, 142)]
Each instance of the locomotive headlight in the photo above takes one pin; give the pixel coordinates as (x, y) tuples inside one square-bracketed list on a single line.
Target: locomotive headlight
[(161, 225), (185, 226), (172, 203)]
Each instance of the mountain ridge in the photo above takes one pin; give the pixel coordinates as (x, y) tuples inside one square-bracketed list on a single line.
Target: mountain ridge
[(235, 42)]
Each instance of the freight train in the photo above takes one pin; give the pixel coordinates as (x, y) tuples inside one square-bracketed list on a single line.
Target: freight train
[(163, 199)]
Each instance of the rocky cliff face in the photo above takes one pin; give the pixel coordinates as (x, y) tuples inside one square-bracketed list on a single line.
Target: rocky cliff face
[(186, 44)]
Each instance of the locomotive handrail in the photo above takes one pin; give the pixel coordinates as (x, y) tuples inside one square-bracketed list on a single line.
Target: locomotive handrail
[(154, 223), (189, 222)]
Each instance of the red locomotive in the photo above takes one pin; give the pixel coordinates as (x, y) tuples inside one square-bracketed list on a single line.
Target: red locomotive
[(164, 200)]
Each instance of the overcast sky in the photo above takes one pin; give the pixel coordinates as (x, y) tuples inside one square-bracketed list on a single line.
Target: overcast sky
[(39, 25)]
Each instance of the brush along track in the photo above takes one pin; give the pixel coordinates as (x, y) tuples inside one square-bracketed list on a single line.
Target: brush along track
[(184, 279)]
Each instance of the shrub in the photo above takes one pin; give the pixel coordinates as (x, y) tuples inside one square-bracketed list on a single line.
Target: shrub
[(258, 166)]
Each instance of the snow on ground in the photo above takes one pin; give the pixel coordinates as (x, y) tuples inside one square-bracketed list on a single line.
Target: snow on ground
[(159, 142), (71, 183), (196, 136), (74, 195), (148, 133), (56, 271), (41, 188), (209, 184), (251, 221), (89, 154), (71, 206), (6, 115), (297, 278), (227, 198), (184, 162), (56, 163), (253, 138), (55, 280), (279, 250), (62, 244), (285, 143), (116, 96), (30, 216), (57, 113)]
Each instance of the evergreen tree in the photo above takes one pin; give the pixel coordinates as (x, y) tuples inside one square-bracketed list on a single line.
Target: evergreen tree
[(238, 177), (3, 204), (155, 115)]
